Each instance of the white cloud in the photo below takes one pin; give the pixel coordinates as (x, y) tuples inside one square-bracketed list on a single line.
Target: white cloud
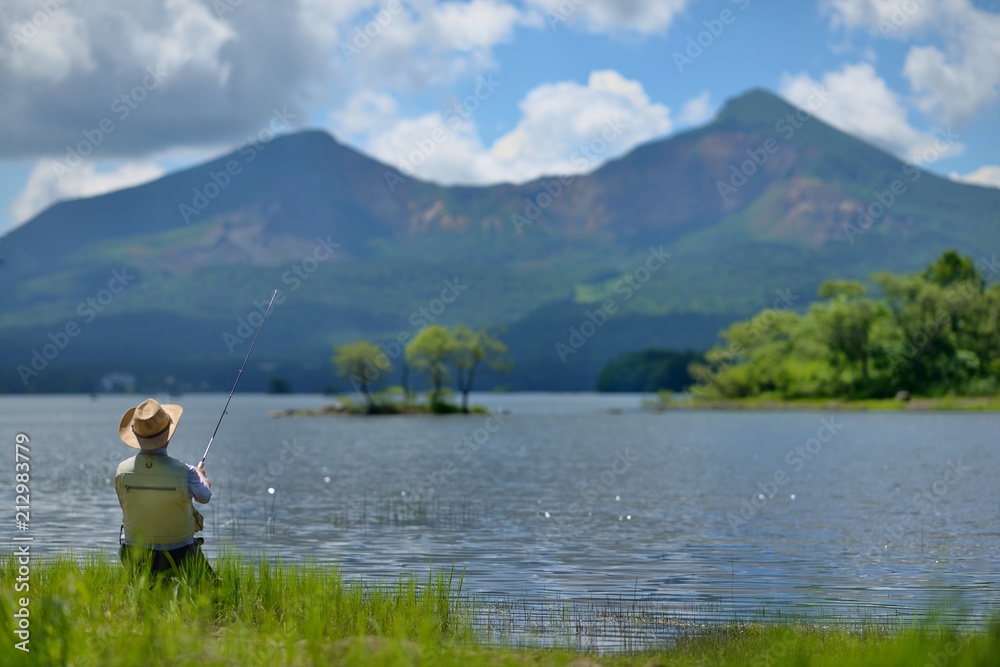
[(696, 110), (640, 16), (953, 84), (364, 111), (192, 40), (474, 25), (559, 120), (859, 102), (987, 176), (957, 86), (71, 40), (323, 22), (431, 148), (564, 128), (885, 17), (44, 45), (45, 187), (229, 64), (427, 43), (225, 69)]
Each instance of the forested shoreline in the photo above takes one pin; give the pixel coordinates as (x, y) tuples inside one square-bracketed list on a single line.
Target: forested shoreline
[(935, 333)]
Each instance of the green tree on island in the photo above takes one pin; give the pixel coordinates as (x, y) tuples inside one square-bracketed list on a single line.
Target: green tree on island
[(471, 348), (429, 352), (432, 351), (361, 363)]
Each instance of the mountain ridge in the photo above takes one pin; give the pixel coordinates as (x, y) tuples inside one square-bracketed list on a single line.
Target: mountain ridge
[(786, 225)]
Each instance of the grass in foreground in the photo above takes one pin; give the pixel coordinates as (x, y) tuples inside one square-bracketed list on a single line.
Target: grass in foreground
[(95, 613)]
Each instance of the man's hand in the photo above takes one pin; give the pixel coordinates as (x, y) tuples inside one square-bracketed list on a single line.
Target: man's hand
[(201, 473)]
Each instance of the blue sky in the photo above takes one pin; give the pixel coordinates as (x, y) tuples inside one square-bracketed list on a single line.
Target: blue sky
[(111, 93)]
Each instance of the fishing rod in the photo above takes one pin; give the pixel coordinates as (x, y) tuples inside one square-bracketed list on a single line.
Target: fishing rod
[(239, 374)]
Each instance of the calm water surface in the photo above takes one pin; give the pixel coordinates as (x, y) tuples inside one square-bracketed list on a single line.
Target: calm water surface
[(570, 497)]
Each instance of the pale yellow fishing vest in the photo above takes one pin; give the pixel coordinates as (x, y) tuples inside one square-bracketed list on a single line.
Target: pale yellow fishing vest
[(156, 507)]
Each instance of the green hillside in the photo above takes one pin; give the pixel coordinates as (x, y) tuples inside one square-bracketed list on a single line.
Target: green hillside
[(356, 253)]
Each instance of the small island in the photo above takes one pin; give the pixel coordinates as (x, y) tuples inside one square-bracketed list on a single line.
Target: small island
[(436, 350)]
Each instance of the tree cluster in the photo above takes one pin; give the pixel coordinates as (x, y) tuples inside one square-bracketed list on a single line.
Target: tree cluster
[(437, 351), (934, 333)]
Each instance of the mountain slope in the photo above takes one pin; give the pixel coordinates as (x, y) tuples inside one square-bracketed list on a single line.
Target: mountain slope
[(757, 202)]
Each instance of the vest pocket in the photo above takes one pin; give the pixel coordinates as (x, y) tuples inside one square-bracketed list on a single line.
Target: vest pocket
[(129, 487)]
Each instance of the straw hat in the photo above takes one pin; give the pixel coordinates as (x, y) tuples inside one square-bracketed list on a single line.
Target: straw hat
[(149, 425)]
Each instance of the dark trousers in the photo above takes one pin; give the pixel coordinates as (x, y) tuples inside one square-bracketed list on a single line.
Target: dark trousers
[(188, 559)]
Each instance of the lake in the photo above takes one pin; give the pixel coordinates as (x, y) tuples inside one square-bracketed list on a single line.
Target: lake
[(564, 501)]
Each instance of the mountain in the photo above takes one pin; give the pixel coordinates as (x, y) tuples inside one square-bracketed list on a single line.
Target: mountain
[(756, 208)]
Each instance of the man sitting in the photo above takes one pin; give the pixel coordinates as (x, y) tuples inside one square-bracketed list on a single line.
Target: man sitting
[(155, 492)]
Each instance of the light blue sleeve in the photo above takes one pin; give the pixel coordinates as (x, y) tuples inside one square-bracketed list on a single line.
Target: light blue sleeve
[(197, 488)]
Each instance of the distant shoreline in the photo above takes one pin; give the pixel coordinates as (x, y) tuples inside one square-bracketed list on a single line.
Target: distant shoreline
[(383, 410), (947, 403)]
